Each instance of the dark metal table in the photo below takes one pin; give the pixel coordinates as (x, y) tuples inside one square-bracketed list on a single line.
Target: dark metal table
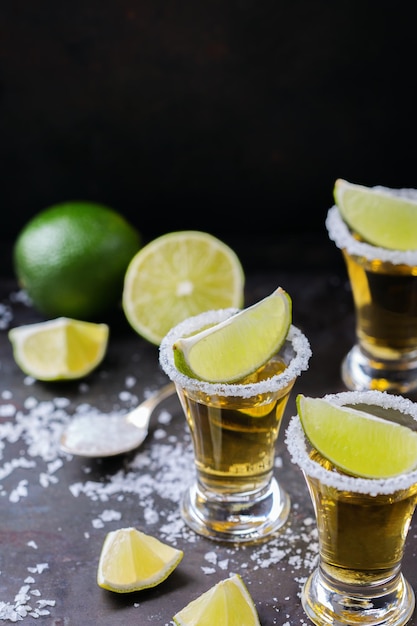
[(55, 510)]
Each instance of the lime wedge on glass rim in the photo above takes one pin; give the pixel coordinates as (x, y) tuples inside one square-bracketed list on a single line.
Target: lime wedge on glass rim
[(228, 603), (239, 345), (383, 217), (357, 442)]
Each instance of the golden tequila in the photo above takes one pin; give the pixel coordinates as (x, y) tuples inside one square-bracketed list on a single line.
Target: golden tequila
[(362, 528), (234, 428), (385, 297), (384, 291), (234, 438), (361, 535)]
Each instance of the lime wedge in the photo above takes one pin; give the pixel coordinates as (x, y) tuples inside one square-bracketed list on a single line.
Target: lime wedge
[(59, 349), (176, 276), (238, 346), (228, 603), (383, 217), (357, 442), (130, 561)]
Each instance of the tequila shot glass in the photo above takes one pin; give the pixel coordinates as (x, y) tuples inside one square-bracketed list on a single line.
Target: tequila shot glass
[(235, 496), (362, 528), (384, 289)]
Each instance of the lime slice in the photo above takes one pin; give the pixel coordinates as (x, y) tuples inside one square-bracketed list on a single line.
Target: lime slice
[(228, 603), (357, 442), (381, 216), (59, 349), (239, 345), (176, 276), (131, 560)]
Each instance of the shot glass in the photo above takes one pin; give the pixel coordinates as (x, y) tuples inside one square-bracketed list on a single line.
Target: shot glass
[(362, 528), (235, 496), (384, 290)]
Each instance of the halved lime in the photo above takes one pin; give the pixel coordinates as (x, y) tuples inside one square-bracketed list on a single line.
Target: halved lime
[(130, 561), (59, 349), (228, 603), (357, 442), (238, 346), (178, 275), (383, 217)]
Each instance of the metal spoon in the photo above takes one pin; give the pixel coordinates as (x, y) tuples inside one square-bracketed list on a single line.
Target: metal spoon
[(108, 435)]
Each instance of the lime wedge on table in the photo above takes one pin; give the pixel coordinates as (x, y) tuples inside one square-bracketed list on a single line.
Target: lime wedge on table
[(59, 349), (357, 442), (238, 346), (130, 561), (176, 276), (379, 216), (228, 603)]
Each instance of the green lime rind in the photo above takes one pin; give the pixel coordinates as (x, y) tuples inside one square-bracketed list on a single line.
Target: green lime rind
[(238, 346), (71, 259), (381, 216), (357, 442)]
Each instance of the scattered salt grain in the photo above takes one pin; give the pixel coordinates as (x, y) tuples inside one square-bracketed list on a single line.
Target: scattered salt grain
[(6, 316), (21, 491), (211, 557), (165, 418), (7, 410), (155, 477), (39, 568)]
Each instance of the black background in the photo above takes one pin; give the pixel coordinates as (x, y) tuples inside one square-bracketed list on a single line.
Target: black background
[(231, 116)]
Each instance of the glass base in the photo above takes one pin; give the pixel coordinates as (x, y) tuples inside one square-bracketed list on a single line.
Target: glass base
[(360, 373), (248, 518), (327, 601)]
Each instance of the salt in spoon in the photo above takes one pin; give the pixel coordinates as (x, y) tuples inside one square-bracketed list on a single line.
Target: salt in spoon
[(102, 436)]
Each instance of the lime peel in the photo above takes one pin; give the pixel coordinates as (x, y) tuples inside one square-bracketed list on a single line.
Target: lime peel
[(131, 561), (238, 346), (227, 603), (381, 216), (357, 442)]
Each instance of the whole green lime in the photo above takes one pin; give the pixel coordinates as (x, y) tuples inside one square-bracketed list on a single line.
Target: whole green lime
[(71, 259)]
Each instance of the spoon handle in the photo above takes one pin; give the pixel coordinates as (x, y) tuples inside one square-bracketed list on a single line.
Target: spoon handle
[(140, 416)]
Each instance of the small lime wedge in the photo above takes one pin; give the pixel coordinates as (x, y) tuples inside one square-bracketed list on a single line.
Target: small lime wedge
[(228, 603), (357, 442), (381, 216), (238, 346), (130, 561), (59, 349)]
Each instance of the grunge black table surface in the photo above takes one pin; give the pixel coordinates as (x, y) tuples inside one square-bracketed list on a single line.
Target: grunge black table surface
[(55, 509)]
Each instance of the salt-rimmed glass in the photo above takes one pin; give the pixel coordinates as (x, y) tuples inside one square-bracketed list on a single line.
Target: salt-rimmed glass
[(234, 428), (384, 289), (362, 527)]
